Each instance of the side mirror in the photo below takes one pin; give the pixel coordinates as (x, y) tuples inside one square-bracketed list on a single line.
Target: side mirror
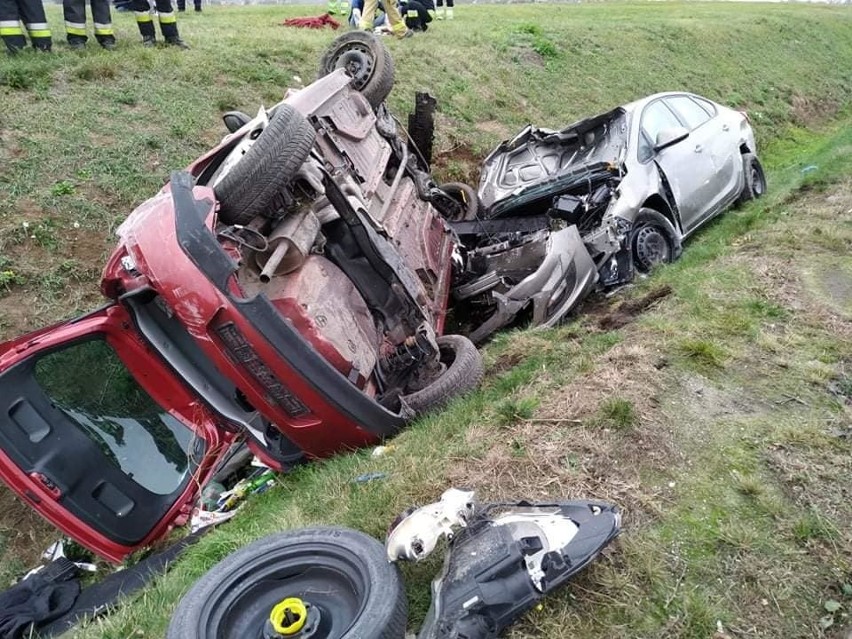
[(670, 137)]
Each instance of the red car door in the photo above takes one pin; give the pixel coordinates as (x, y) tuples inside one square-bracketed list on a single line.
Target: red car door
[(99, 435)]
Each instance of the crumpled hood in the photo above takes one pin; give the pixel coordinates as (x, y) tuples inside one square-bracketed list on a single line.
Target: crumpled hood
[(538, 159)]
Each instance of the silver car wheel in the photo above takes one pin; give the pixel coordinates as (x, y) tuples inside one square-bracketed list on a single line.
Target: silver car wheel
[(651, 247)]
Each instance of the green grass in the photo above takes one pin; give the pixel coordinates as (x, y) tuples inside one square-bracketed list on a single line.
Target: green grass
[(709, 419)]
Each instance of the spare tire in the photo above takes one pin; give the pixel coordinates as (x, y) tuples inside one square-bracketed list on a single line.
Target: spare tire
[(463, 373), (366, 60), (250, 187), (342, 578)]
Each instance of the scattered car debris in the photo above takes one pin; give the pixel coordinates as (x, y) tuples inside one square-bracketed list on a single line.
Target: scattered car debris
[(335, 583), (415, 534), (313, 22), (502, 558), (366, 478)]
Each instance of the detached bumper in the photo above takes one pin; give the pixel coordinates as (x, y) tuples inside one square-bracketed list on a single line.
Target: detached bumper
[(565, 277)]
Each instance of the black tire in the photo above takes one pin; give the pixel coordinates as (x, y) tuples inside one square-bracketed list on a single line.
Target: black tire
[(467, 196), (755, 179), (366, 60), (463, 374), (342, 573), (653, 240), (252, 184)]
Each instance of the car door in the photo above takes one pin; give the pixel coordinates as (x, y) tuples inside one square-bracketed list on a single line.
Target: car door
[(712, 138), (684, 165), (99, 436)]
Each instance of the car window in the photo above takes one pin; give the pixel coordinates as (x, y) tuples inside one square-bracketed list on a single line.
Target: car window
[(706, 105), (646, 149), (655, 118), (92, 386), (688, 110)]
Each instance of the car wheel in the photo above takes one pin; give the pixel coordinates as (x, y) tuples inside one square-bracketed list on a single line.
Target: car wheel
[(329, 583), (755, 179), (467, 197), (653, 240), (366, 60), (250, 186), (462, 373)]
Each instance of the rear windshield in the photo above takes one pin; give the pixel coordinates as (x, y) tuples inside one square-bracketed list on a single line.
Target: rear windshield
[(93, 388)]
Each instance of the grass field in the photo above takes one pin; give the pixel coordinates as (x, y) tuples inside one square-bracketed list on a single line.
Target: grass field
[(718, 417)]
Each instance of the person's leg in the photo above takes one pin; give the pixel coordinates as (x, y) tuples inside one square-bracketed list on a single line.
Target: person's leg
[(450, 9), (181, 5), (35, 22), (145, 22), (103, 23), (168, 24), (75, 22), (367, 15), (10, 27), (197, 4), (440, 11), (397, 24)]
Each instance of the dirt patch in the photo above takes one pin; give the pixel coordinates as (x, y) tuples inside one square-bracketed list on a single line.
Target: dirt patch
[(835, 287), (527, 57), (563, 451), (18, 315), (9, 147), (457, 163), (809, 111), (23, 536), (627, 311)]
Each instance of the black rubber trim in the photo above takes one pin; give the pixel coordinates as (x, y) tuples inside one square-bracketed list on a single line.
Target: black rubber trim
[(204, 250)]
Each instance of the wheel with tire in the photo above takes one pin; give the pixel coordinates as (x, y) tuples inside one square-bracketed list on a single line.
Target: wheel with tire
[(462, 372), (249, 188), (755, 179), (467, 197), (323, 583), (366, 60), (653, 240)]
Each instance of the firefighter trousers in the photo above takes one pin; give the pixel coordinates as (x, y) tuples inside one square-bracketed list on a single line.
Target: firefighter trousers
[(29, 12), (145, 19), (395, 20), (75, 21)]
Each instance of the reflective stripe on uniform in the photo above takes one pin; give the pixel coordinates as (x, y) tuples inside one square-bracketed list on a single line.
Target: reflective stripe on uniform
[(10, 28), (167, 18), (412, 13), (38, 29), (75, 28), (143, 16), (103, 29)]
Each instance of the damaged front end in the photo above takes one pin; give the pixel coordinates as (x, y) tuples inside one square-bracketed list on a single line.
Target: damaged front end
[(545, 233), (547, 272), (502, 557)]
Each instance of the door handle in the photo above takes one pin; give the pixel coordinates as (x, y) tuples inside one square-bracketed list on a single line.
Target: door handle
[(698, 148)]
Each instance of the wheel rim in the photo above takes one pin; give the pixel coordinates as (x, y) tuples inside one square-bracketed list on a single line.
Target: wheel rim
[(651, 247), (327, 581), (758, 187), (357, 60)]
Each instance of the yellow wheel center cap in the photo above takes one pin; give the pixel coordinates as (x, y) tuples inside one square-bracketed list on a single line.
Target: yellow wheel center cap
[(289, 616)]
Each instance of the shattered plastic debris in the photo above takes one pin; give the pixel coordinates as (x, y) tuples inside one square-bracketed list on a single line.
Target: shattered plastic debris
[(368, 477)]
